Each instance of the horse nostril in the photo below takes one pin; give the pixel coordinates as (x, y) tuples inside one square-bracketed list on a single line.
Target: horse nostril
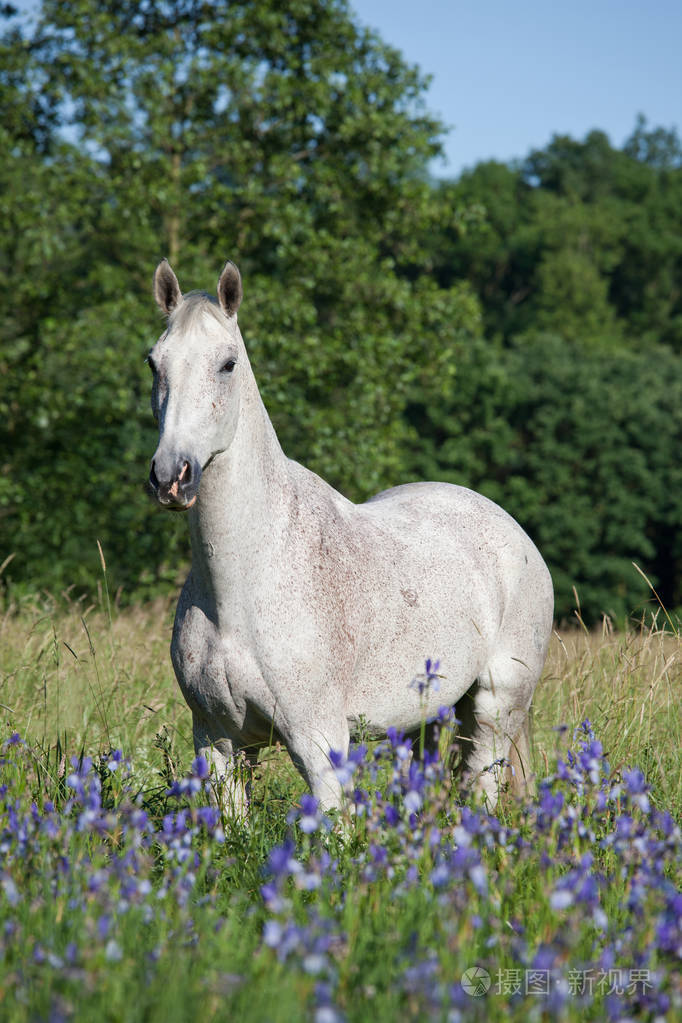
[(153, 479), (185, 473)]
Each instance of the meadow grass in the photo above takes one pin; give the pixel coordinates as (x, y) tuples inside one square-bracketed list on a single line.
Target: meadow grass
[(123, 897)]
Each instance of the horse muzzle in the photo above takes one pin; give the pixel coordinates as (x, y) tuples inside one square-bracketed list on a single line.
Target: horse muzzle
[(175, 484)]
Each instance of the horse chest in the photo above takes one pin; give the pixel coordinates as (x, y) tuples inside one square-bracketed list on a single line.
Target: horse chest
[(216, 675)]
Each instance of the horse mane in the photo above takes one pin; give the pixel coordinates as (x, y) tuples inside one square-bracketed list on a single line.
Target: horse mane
[(188, 313)]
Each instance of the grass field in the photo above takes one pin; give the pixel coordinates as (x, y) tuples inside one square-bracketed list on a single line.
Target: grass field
[(123, 897)]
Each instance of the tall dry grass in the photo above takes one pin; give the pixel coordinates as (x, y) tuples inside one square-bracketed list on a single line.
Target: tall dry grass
[(101, 680), (629, 685)]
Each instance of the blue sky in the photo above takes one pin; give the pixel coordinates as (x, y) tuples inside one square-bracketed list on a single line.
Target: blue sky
[(509, 75)]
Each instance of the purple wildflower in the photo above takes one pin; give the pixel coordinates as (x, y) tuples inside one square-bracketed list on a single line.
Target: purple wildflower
[(309, 820), (114, 760), (636, 788), (429, 681), (200, 767)]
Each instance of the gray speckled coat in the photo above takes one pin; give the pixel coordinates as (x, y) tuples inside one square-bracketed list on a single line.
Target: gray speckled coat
[(304, 613)]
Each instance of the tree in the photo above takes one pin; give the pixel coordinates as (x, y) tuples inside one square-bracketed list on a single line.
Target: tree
[(657, 147), (580, 238), (581, 446), (288, 139), (631, 204)]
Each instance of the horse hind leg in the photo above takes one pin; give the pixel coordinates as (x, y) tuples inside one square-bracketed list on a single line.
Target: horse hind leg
[(493, 739), (519, 773)]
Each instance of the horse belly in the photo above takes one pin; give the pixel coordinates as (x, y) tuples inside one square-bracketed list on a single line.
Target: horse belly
[(447, 566), (390, 687)]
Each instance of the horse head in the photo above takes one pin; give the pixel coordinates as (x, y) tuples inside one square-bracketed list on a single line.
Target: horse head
[(196, 382)]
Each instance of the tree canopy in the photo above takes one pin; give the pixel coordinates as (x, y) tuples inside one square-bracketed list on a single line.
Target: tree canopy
[(290, 140), (580, 238), (518, 330)]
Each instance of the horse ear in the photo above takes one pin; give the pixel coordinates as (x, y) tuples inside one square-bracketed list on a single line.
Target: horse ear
[(166, 288), (230, 289)]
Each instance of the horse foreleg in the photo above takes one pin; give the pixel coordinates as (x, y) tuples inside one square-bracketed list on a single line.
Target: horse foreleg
[(230, 769), (309, 749)]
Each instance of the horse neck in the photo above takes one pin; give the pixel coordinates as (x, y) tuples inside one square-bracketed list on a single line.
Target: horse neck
[(241, 505)]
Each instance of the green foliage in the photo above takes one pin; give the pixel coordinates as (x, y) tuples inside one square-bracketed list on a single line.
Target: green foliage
[(580, 238), (570, 417), (579, 445), (297, 143)]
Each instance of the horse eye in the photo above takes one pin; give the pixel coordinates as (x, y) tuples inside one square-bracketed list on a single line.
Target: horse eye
[(229, 366)]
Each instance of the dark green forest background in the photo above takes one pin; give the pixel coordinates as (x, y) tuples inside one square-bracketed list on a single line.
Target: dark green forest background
[(518, 330)]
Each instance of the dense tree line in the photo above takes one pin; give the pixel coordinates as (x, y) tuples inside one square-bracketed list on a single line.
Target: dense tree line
[(580, 239), (518, 330)]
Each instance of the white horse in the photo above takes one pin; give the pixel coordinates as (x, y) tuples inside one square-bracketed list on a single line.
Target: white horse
[(305, 614)]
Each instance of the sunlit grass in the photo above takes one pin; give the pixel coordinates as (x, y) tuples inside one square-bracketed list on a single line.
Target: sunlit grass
[(629, 686), (70, 672)]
